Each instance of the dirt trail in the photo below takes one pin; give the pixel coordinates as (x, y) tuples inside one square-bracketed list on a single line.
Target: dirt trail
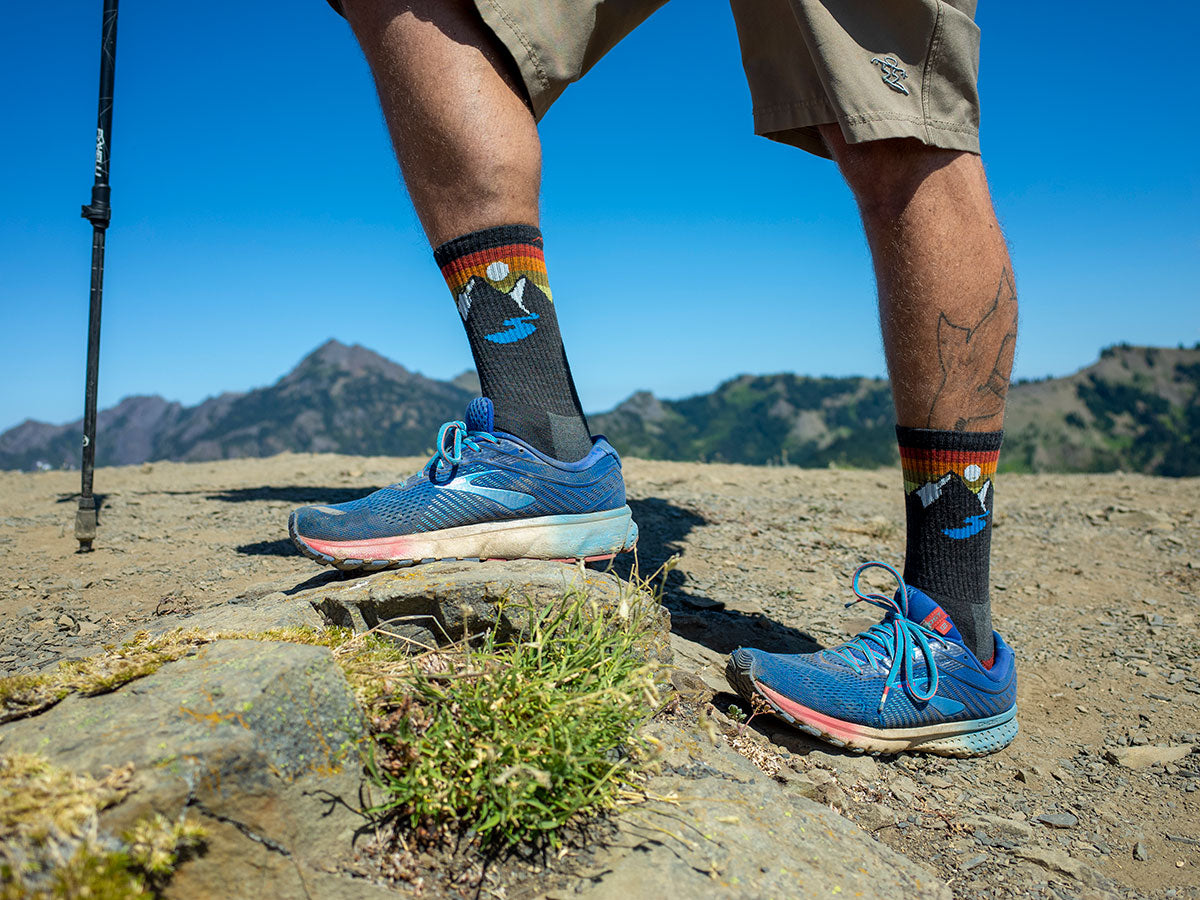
[(1097, 586)]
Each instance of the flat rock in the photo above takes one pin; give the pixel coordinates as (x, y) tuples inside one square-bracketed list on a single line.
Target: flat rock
[(260, 741), (1059, 863), (1058, 820), (705, 663), (725, 829), (853, 766), (246, 616), (1147, 755), (999, 826), (441, 603)]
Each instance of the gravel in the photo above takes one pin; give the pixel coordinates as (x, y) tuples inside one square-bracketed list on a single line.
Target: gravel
[(1102, 607)]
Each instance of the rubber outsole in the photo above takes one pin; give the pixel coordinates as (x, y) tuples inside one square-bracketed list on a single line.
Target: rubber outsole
[(978, 737), (353, 564)]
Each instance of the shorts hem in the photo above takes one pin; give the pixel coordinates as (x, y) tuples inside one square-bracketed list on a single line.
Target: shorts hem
[(796, 124), (538, 88)]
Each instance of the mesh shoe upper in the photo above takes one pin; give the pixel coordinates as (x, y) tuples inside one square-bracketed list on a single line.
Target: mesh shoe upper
[(492, 478)]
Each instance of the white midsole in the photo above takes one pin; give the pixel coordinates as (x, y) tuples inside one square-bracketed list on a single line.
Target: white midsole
[(545, 537)]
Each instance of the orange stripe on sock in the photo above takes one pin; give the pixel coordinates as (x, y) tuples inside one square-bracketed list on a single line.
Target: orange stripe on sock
[(531, 255)]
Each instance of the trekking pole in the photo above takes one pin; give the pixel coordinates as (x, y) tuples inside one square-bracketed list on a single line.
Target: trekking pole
[(98, 213)]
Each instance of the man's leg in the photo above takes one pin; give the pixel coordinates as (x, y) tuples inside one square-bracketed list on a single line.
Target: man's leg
[(524, 478), (466, 141), (899, 81), (469, 151), (932, 676), (948, 308)]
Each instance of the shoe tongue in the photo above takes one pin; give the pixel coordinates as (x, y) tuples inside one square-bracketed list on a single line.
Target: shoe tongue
[(480, 415), (921, 608)]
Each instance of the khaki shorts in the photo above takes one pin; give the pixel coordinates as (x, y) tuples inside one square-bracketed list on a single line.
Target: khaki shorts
[(878, 68)]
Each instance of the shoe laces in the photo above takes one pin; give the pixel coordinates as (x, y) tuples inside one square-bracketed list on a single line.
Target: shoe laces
[(452, 438), (896, 639)]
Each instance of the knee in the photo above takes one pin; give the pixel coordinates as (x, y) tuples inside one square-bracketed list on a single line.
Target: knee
[(886, 174)]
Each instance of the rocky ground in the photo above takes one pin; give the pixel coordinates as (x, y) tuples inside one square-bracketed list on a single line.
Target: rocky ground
[(1097, 580)]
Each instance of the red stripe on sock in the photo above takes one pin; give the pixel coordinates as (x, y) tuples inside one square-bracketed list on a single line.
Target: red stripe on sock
[(951, 456)]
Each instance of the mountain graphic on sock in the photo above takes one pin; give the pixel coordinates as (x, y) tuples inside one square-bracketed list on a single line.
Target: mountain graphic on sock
[(503, 318), (957, 511)]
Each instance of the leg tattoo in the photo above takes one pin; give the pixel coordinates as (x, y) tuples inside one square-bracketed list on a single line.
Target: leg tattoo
[(976, 361)]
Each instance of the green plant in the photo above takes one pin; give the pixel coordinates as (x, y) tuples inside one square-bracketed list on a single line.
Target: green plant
[(141, 655), (156, 846), (514, 740), (48, 840)]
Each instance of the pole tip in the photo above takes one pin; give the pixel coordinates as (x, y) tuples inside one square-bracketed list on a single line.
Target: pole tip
[(85, 528)]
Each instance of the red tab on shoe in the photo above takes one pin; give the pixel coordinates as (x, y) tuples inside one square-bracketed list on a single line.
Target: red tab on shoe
[(938, 621)]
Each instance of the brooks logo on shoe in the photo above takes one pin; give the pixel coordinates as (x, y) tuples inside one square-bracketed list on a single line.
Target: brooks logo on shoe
[(465, 484)]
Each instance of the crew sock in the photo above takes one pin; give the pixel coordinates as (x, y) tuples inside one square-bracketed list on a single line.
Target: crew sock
[(948, 490), (498, 279)]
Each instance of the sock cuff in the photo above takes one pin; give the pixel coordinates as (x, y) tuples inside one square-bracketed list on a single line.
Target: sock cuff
[(932, 440), (927, 455), (525, 237), (502, 256)]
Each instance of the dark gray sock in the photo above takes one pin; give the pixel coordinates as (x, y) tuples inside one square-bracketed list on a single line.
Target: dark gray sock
[(948, 487), (498, 279)]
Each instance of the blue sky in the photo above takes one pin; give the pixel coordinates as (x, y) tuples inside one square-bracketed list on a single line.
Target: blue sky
[(257, 209)]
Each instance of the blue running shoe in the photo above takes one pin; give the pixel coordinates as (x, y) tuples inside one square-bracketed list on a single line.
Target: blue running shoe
[(483, 495), (906, 684)]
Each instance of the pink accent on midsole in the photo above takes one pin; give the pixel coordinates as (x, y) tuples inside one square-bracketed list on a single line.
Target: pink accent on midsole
[(386, 549), (843, 730)]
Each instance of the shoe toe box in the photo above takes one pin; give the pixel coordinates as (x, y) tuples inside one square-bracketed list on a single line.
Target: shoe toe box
[(831, 688), (334, 522)]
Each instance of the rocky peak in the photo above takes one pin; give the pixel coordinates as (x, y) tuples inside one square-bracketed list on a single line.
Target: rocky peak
[(353, 359)]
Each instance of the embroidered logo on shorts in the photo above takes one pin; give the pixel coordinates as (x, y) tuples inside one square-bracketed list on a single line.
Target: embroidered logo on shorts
[(891, 73)]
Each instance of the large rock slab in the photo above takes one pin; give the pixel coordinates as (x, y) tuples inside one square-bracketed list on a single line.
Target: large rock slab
[(720, 827), (441, 603), (262, 607), (261, 742)]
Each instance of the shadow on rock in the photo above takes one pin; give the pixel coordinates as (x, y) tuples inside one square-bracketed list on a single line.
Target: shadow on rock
[(295, 493), (320, 579), (282, 547), (663, 526)]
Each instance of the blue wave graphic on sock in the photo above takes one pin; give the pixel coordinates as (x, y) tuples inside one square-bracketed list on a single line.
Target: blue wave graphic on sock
[(516, 328), (971, 526)]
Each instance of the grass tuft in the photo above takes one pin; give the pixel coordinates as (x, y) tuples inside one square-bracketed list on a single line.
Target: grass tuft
[(512, 741), (157, 846), (141, 655), (38, 800), (48, 836)]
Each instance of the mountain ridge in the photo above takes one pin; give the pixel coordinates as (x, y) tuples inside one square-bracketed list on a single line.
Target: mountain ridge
[(1135, 408)]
